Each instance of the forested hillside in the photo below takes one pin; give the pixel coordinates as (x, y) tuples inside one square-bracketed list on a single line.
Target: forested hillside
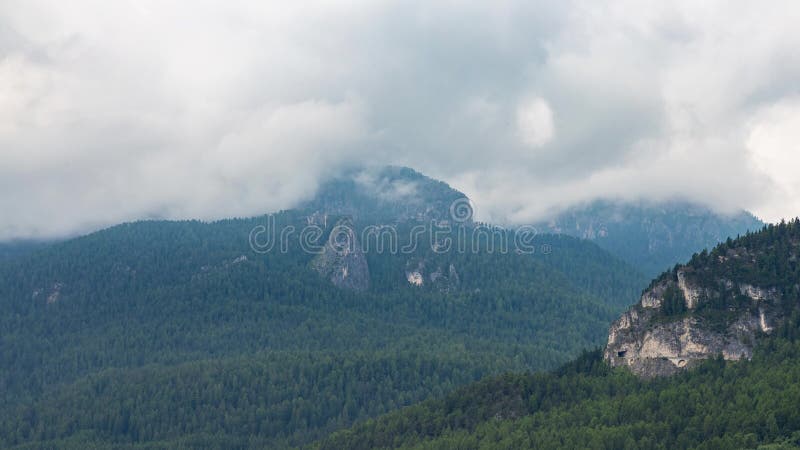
[(585, 404), (18, 248), (178, 332), (718, 405), (185, 333)]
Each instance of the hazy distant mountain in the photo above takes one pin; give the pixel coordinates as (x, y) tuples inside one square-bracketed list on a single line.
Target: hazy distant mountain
[(651, 236)]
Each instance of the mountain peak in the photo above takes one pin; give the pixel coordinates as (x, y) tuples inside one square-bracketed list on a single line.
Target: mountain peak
[(386, 194)]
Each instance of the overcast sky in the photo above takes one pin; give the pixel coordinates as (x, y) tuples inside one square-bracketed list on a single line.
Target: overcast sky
[(119, 110)]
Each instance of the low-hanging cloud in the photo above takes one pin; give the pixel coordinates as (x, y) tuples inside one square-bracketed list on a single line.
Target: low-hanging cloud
[(115, 111)]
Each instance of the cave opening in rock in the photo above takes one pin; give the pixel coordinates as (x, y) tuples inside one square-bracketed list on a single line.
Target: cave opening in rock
[(621, 353)]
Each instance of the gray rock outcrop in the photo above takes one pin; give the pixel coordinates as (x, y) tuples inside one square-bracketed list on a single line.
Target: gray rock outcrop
[(444, 278), (652, 342), (342, 259)]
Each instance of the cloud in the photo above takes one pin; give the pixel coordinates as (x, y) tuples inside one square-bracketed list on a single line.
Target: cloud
[(113, 112), (774, 143), (535, 122)]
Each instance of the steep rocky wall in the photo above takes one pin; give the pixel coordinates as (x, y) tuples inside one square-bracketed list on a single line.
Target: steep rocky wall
[(651, 343), (342, 260)]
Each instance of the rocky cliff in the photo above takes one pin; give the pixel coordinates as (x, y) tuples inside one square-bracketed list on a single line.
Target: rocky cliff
[(376, 197), (342, 260), (420, 272), (717, 305)]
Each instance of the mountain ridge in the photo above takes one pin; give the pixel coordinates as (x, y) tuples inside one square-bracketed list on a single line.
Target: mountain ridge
[(652, 236)]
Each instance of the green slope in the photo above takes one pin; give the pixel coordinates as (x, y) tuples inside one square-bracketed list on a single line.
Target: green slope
[(585, 404), (717, 406), (160, 332)]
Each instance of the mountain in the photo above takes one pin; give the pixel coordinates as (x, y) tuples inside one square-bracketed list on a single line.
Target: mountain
[(271, 332), (719, 403), (651, 236), (385, 195), (252, 332), (718, 304)]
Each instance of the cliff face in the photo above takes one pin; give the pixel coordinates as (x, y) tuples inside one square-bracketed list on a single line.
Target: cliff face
[(342, 260), (652, 343), (420, 272), (718, 304)]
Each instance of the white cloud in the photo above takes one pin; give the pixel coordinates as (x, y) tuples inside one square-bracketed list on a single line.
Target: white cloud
[(535, 122), (774, 142), (131, 109)]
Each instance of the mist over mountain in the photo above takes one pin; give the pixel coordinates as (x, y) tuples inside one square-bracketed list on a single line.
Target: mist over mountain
[(651, 236), (122, 336), (168, 309), (113, 113), (385, 195), (385, 224)]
